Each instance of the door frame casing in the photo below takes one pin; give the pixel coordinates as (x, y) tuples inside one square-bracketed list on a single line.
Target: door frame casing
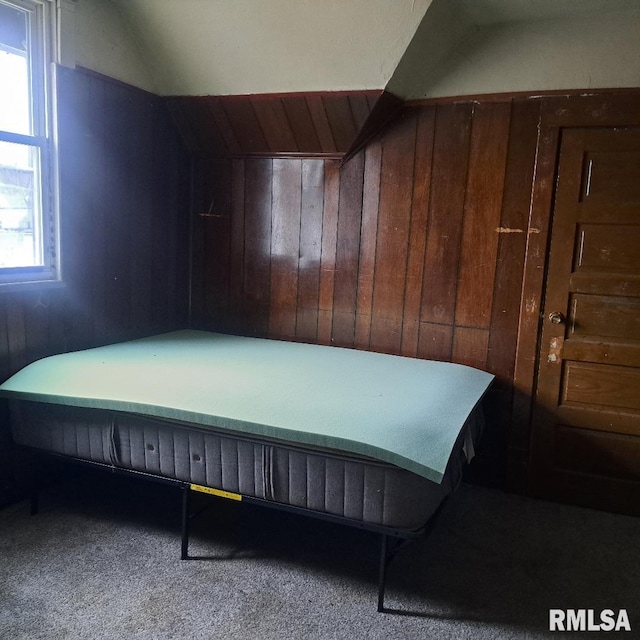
[(617, 109)]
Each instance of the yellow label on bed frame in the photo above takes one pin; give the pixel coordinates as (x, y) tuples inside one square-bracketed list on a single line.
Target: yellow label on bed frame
[(216, 492)]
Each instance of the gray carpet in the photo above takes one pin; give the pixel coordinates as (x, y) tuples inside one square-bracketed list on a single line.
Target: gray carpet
[(102, 560)]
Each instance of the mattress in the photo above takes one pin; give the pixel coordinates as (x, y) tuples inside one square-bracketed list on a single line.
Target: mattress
[(402, 411), (321, 480), (367, 437)]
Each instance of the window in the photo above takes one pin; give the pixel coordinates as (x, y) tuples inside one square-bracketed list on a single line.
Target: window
[(28, 229)]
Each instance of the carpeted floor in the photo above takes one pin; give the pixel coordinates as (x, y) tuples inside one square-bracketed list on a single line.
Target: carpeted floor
[(102, 560)]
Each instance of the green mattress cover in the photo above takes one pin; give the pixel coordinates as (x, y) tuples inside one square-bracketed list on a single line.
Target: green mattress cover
[(405, 411)]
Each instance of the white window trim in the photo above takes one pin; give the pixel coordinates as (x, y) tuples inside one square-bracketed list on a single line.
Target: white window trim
[(48, 13)]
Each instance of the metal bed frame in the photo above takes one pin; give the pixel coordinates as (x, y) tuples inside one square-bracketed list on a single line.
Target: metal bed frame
[(391, 540)]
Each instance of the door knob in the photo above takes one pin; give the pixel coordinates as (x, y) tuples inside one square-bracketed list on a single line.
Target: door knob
[(555, 317)]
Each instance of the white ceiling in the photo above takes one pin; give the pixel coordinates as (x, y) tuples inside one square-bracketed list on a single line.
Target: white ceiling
[(468, 47), (223, 47), (414, 48)]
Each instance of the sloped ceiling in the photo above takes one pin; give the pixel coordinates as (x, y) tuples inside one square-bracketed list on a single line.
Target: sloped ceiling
[(235, 47), (469, 47), (260, 77), (412, 48)]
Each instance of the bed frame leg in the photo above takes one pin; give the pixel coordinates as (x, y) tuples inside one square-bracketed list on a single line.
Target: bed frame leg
[(34, 483), (185, 522), (382, 574)]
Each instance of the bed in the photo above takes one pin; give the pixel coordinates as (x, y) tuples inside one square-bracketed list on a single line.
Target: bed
[(365, 439)]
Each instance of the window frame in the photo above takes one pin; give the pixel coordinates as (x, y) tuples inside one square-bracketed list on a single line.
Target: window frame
[(42, 47)]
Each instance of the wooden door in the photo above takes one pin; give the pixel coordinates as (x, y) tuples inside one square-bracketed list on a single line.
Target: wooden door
[(586, 425)]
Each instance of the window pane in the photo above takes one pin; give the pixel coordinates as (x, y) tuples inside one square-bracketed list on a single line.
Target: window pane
[(15, 109), (21, 230)]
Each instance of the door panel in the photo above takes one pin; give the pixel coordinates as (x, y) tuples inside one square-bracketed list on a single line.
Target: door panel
[(607, 316), (608, 247), (612, 456), (611, 177), (600, 386), (586, 425)]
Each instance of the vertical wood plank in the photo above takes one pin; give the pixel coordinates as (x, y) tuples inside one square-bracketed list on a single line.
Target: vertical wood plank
[(159, 238), (512, 238), (532, 282), (17, 336), (435, 341), (116, 181), (5, 364), (98, 214), (329, 243), (58, 338), (199, 197), (37, 322), (310, 249), (237, 249), (470, 346), (141, 223), (6, 444), (368, 240), (507, 289), (449, 177), (211, 245), (396, 190), (418, 230), (177, 181), (285, 247), (483, 202), (347, 251), (537, 232), (76, 152), (215, 225), (257, 256)]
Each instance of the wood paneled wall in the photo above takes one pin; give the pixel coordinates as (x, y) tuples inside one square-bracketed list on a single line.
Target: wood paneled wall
[(328, 123), (429, 242), (124, 200), (415, 246)]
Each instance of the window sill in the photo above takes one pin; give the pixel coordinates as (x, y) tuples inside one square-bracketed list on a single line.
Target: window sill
[(31, 286)]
